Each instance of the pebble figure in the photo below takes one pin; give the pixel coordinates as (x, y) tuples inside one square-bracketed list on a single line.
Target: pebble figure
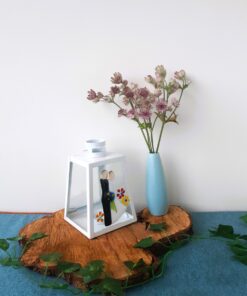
[(105, 199)]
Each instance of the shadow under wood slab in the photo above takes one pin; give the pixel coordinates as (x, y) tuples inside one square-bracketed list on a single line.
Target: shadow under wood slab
[(113, 248)]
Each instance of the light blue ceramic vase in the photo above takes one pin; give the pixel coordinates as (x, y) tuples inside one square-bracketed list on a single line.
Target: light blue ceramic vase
[(156, 193)]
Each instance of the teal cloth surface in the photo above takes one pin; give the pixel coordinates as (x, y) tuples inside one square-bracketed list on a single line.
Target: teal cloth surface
[(201, 268)]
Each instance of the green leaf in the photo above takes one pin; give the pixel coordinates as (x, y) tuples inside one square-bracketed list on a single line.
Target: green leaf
[(178, 244), (239, 249), (51, 257), (113, 206), (36, 236), (242, 259), (68, 267), (157, 227), (54, 285), (145, 125), (109, 285), (4, 245), (14, 262), (15, 238), (244, 218), (92, 271), (225, 231), (132, 266), (145, 243)]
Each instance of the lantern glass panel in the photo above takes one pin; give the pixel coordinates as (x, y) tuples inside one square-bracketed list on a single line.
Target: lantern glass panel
[(77, 198), (113, 174)]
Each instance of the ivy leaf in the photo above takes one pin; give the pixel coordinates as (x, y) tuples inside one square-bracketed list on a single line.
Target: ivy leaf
[(177, 244), (4, 245), (14, 262), (157, 227), (68, 267), (132, 266), (239, 249), (51, 257), (15, 238), (242, 259), (109, 285), (92, 271), (244, 218), (36, 236), (225, 231), (54, 285), (129, 264), (145, 243)]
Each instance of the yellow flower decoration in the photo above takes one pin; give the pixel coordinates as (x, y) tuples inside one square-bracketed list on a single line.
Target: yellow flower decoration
[(125, 200)]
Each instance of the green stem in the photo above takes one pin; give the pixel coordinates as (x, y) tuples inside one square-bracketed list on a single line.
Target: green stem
[(148, 137), (167, 120), (25, 248), (161, 132), (180, 97), (138, 122), (46, 269), (155, 121), (151, 135)]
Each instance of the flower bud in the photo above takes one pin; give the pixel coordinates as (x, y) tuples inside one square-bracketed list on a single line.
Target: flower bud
[(122, 112), (117, 78), (180, 75), (160, 73)]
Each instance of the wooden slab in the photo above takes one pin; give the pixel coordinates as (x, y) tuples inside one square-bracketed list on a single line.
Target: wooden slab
[(113, 248)]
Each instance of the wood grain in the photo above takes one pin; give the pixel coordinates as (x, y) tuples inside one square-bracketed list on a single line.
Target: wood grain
[(113, 248)]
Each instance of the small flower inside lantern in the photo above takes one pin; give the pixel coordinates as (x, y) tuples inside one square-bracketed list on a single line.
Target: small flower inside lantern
[(97, 201)]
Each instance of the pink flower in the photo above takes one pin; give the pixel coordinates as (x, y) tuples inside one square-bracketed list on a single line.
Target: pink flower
[(175, 102), (122, 112), (161, 106), (131, 114), (117, 78), (126, 101), (180, 75), (99, 95), (143, 92), (160, 72), (125, 82), (173, 86), (92, 96), (128, 92), (115, 90), (145, 114)]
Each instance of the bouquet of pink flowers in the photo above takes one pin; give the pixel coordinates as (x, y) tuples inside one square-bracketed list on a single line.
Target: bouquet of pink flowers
[(146, 107)]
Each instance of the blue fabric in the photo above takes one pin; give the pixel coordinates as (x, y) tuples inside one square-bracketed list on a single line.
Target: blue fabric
[(201, 268)]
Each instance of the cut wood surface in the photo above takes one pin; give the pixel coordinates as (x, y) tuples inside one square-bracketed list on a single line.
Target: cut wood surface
[(113, 248)]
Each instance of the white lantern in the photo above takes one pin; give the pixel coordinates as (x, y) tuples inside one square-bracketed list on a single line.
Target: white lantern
[(97, 199)]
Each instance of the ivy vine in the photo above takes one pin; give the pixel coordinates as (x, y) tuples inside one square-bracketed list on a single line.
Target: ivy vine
[(94, 276)]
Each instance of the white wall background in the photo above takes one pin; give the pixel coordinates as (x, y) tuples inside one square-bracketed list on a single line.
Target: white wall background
[(53, 51)]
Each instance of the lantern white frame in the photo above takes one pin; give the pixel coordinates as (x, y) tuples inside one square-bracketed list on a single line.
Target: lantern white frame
[(89, 164)]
